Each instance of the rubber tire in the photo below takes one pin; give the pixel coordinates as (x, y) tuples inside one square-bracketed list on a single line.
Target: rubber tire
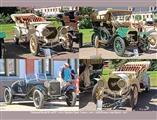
[(41, 103), (154, 37), (16, 40), (35, 53), (70, 45), (144, 50), (8, 102), (147, 89), (123, 46), (94, 94), (93, 40), (74, 96), (131, 101)]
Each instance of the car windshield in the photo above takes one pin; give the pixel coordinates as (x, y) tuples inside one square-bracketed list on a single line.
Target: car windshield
[(29, 78)]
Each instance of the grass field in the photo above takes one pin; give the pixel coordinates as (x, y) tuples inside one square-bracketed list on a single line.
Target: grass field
[(8, 29), (87, 34), (152, 75)]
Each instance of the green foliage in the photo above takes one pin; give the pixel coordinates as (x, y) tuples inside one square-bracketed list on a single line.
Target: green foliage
[(38, 13), (86, 11), (138, 17), (5, 18), (85, 23)]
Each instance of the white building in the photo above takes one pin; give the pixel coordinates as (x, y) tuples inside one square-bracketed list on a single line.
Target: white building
[(144, 15), (53, 11)]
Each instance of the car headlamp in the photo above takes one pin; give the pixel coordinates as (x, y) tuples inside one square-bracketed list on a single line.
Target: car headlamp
[(121, 83)]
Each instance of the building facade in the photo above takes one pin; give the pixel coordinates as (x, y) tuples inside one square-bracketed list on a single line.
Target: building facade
[(13, 69), (145, 14), (53, 11)]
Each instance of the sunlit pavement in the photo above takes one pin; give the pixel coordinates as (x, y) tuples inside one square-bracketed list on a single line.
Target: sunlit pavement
[(91, 52), (29, 106), (146, 102)]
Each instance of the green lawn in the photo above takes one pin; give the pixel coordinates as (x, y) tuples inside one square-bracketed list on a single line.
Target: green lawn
[(8, 29), (152, 75), (87, 34)]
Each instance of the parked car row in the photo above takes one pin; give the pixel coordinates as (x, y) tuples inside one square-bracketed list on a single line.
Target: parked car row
[(40, 33)]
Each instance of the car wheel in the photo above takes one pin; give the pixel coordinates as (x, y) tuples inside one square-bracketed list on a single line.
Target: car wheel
[(133, 97), (153, 40), (67, 44), (119, 46), (147, 89), (71, 98), (94, 93), (16, 40), (34, 45), (7, 96), (38, 99), (143, 45), (96, 40)]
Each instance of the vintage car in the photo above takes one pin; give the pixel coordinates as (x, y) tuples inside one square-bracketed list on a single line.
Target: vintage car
[(2, 48), (39, 89), (123, 86), (145, 27), (71, 19), (40, 33), (108, 31)]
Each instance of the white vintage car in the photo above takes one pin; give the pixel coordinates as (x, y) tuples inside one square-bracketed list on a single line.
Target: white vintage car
[(39, 33), (123, 85)]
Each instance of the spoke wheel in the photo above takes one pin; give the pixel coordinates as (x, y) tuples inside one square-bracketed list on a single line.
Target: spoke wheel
[(119, 46), (7, 96), (34, 46), (38, 99), (71, 98)]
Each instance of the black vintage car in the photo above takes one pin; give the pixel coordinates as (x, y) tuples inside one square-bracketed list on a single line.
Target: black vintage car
[(39, 90), (71, 19)]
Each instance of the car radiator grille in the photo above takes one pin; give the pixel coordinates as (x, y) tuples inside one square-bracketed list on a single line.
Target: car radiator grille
[(54, 88)]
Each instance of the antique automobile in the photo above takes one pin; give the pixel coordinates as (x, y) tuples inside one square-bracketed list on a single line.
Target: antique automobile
[(145, 27), (109, 32), (2, 48), (39, 89), (123, 86), (71, 19), (40, 33)]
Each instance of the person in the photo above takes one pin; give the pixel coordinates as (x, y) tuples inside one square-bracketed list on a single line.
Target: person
[(72, 73), (66, 73)]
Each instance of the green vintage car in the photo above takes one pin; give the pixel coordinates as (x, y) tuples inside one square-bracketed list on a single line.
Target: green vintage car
[(108, 31), (2, 36)]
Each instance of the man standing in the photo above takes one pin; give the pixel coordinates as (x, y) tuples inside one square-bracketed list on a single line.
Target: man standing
[(66, 73)]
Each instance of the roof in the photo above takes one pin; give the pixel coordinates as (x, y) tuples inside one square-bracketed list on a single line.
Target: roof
[(115, 12)]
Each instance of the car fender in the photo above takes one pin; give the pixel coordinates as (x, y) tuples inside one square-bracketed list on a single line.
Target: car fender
[(10, 89), (40, 88), (146, 80), (17, 31), (70, 88)]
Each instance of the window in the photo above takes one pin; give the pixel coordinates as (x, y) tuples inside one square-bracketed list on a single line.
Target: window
[(2, 67), (11, 66), (8, 67)]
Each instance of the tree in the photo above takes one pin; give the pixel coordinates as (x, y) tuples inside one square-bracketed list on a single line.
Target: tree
[(86, 11), (138, 17)]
